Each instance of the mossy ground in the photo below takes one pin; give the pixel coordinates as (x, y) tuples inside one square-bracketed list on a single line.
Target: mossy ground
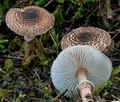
[(32, 82)]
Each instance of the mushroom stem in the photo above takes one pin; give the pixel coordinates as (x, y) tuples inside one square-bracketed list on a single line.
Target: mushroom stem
[(29, 47), (32, 48), (84, 86), (28, 38)]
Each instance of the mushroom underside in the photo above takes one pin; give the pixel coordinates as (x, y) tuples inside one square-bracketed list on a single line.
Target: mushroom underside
[(70, 60)]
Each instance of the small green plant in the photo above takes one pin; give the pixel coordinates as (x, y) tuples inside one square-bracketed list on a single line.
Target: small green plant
[(3, 92), (47, 90), (78, 2), (3, 6), (20, 97), (8, 64), (116, 71), (58, 13), (2, 42), (100, 88), (41, 2), (60, 1), (79, 12)]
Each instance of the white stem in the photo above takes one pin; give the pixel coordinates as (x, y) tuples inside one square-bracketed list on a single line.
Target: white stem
[(28, 38), (85, 86)]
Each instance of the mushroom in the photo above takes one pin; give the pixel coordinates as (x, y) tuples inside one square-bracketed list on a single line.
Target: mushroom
[(95, 37), (80, 69), (29, 22)]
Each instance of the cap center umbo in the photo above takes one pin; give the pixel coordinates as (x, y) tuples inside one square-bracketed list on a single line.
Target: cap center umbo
[(30, 14), (84, 37)]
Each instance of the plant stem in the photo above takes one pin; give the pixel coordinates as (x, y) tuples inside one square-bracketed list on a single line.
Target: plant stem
[(109, 10)]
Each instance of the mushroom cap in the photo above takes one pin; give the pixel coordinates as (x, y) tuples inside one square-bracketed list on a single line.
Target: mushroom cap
[(29, 21), (95, 37), (70, 60)]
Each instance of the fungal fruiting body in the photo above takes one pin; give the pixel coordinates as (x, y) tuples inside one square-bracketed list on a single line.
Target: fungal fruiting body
[(80, 68), (95, 37), (29, 22)]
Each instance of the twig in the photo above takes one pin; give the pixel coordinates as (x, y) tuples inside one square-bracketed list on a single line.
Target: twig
[(5, 56), (18, 2), (37, 75), (54, 99), (2, 71), (4, 100), (116, 35), (115, 59), (43, 74), (52, 38), (65, 34), (92, 13), (69, 28), (109, 10), (48, 3), (115, 97)]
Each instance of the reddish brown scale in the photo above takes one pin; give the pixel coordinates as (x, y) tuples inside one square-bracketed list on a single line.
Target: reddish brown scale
[(29, 21), (95, 37)]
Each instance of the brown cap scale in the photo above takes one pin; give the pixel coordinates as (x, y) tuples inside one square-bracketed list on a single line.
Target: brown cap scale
[(95, 37), (29, 21)]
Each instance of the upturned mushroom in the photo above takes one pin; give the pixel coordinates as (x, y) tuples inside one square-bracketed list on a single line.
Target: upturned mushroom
[(80, 69), (29, 22), (95, 37)]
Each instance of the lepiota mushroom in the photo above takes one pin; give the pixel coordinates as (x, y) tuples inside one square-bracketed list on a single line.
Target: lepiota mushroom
[(80, 68), (29, 22), (95, 37)]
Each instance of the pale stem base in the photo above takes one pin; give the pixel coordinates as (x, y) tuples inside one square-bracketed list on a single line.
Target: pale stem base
[(85, 86)]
